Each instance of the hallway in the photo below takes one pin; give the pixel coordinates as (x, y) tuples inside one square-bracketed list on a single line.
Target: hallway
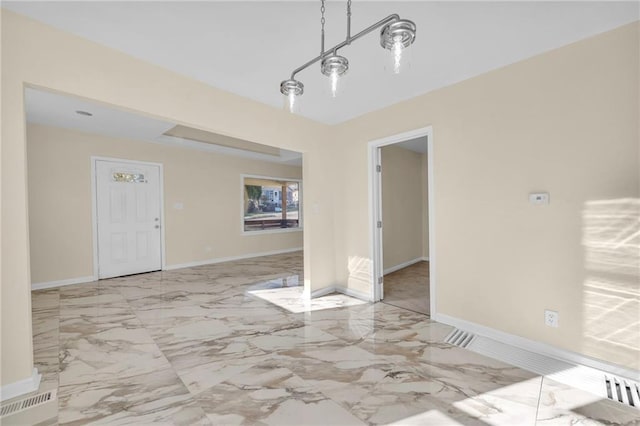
[(408, 288)]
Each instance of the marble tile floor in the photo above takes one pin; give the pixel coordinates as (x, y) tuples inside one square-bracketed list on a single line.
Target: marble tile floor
[(196, 347), (408, 288)]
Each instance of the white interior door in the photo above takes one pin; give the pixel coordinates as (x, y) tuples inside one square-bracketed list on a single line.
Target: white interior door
[(128, 218)]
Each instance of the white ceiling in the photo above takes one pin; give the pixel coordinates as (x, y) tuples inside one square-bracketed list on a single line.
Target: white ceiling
[(418, 145), (248, 47), (58, 110)]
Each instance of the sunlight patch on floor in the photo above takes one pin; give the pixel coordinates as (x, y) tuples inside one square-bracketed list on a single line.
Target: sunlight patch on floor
[(512, 404), (431, 417), (292, 299)]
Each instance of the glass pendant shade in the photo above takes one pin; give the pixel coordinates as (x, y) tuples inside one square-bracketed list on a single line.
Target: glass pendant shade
[(291, 89), (334, 66), (396, 37)]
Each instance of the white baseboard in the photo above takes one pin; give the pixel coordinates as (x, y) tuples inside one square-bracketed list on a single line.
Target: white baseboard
[(354, 293), (537, 347), (229, 259), (21, 387), (404, 265), (60, 283), (91, 278), (322, 292), (339, 289)]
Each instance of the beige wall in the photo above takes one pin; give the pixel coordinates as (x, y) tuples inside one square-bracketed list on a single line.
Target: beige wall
[(207, 184), (565, 122), (41, 56), (403, 200)]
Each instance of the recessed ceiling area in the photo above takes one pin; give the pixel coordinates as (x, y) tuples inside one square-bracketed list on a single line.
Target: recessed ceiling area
[(248, 48), (58, 110)]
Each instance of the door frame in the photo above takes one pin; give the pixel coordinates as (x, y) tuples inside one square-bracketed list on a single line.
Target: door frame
[(375, 211), (94, 208)]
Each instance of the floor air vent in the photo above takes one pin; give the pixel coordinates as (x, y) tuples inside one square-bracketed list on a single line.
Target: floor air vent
[(588, 379), (623, 391), (460, 338), (25, 404)]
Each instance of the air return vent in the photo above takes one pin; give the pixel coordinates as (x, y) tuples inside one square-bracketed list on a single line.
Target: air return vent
[(25, 404), (622, 390), (460, 338)]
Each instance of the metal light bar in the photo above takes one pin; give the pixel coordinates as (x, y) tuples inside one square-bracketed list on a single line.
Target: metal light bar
[(396, 35), (347, 41)]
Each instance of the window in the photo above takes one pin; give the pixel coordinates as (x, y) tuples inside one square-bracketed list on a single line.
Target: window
[(271, 204)]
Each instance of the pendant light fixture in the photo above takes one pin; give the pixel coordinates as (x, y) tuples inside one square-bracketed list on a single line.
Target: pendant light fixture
[(334, 66), (396, 35)]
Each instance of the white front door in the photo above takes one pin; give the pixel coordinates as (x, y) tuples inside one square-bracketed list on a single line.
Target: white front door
[(128, 218)]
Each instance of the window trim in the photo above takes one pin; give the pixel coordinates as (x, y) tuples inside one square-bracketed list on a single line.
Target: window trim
[(300, 227)]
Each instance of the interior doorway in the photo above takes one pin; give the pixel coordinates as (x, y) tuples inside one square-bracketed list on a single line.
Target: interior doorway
[(402, 229), (128, 217)]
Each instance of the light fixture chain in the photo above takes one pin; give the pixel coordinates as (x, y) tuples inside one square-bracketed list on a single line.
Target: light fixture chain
[(322, 25), (349, 21)]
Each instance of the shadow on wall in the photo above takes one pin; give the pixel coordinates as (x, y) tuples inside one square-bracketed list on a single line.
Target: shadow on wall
[(611, 238)]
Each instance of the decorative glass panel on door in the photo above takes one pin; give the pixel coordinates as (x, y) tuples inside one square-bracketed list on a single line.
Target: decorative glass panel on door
[(129, 177)]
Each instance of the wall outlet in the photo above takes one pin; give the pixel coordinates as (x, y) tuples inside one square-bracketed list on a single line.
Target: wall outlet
[(551, 318)]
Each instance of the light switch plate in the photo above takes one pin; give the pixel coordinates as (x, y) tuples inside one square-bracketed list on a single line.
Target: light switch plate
[(538, 198)]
